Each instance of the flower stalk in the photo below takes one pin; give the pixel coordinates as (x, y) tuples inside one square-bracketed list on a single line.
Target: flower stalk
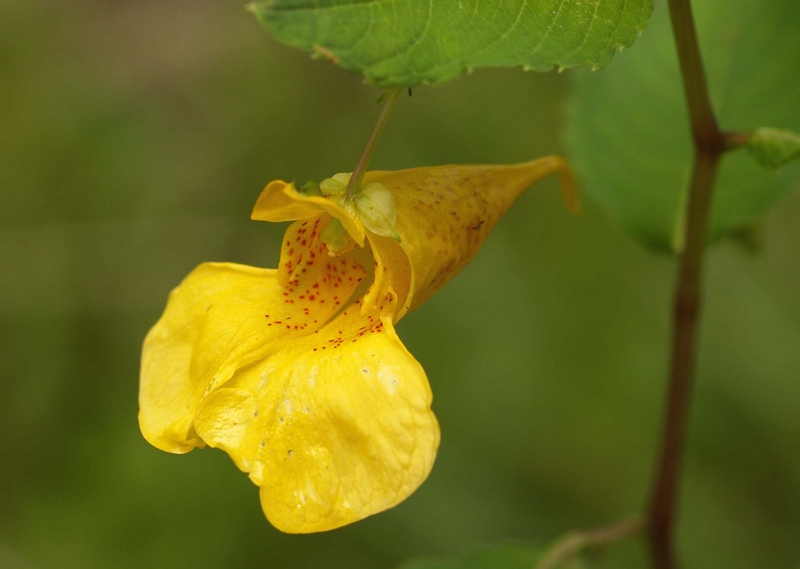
[(366, 155)]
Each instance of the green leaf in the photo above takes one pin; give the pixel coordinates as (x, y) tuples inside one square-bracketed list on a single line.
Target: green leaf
[(404, 43), (506, 556), (773, 148), (628, 130)]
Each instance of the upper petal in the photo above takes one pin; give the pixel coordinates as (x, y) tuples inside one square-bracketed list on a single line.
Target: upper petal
[(280, 201), (334, 427), (444, 214)]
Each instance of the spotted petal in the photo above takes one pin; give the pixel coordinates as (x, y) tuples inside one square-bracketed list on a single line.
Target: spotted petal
[(444, 214), (224, 317)]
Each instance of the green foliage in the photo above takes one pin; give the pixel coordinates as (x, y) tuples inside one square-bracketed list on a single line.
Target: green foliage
[(628, 130), (773, 148), (404, 43)]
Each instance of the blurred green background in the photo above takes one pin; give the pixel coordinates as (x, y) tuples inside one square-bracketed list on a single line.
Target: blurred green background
[(134, 139)]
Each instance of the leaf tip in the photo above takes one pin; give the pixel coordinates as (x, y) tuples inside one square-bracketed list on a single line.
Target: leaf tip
[(258, 7)]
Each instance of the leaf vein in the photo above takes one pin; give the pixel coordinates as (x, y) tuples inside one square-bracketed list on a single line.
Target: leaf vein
[(588, 33), (550, 27)]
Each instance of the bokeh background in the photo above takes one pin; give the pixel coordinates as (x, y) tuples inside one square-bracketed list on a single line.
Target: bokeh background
[(134, 139)]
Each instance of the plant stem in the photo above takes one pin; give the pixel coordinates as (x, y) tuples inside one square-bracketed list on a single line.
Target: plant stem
[(572, 544), (705, 133), (709, 144), (686, 308), (372, 142)]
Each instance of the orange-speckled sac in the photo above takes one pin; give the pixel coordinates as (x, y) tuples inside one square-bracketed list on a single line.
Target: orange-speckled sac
[(297, 372)]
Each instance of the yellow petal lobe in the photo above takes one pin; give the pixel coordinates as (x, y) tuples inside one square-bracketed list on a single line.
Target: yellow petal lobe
[(182, 355), (334, 427)]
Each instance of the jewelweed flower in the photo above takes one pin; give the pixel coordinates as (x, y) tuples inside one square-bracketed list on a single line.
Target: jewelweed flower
[(297, 372)]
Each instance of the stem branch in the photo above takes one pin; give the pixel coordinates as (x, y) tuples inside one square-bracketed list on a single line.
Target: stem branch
[(573, 543)]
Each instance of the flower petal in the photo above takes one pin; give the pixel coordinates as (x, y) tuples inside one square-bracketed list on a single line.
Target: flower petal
[(444, 214), (224, 316), (334, 427), (182, 357), (280, 201)]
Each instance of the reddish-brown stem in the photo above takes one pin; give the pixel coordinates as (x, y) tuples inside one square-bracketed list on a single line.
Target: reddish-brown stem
[(709, 144), (662, 512)]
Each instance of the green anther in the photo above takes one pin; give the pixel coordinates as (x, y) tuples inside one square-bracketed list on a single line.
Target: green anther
[(376, 208), (336, 237)]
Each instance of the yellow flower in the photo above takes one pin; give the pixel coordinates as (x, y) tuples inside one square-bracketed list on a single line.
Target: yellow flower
[(297, 372)]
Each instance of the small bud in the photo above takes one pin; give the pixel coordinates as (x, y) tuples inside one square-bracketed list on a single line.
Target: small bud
[(335, 186), (773, 148), (311, 189)]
